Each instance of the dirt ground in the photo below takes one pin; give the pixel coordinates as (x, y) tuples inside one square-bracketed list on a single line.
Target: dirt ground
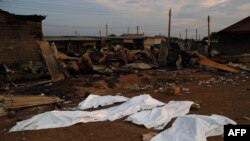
[(225, 94)]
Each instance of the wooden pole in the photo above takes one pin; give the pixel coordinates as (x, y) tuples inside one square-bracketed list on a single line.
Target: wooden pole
[(186, 32), (76, 32), (169, 24), (209, 40), (106, 30), (196, 34), (100, 33), (137, 29)]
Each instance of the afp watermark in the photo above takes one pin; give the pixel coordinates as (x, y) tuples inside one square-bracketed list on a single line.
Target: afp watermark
[(236, 132)]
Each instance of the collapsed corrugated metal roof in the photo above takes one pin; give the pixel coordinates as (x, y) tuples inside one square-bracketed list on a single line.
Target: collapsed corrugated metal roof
[(87, 38), (241, 26), (71, 38)]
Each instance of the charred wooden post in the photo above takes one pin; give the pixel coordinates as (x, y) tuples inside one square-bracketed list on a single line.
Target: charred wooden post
[(169, 24), (209, 39), (106, 30)]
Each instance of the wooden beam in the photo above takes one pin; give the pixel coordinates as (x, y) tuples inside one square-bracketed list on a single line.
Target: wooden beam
[(53, 66), (207, 62), (16, 102)]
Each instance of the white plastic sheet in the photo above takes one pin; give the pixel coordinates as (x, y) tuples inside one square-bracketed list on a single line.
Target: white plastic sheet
[(194, 128), (159, 117), (55, 119), (94, 101), (132, 106)]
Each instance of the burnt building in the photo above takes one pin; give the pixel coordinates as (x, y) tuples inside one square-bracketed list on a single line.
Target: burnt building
[(134, 41), (235, 39), (19, 35), (152, 41), (74, 44), (130, 41)]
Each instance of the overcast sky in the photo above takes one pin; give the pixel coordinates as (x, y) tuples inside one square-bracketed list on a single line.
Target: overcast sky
[(90, 16)]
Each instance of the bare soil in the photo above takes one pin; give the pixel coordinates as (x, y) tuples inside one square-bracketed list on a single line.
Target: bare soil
[(229, 97)]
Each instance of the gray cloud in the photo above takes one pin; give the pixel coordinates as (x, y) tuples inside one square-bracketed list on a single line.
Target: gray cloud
[(150, 15)]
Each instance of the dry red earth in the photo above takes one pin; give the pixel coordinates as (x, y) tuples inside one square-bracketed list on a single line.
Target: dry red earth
[(231, 99)]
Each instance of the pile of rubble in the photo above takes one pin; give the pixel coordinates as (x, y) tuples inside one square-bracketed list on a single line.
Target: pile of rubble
[(112, 60), (118, 59)]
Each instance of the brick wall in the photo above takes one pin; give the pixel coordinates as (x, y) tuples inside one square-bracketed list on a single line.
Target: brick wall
[(18, 39)]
